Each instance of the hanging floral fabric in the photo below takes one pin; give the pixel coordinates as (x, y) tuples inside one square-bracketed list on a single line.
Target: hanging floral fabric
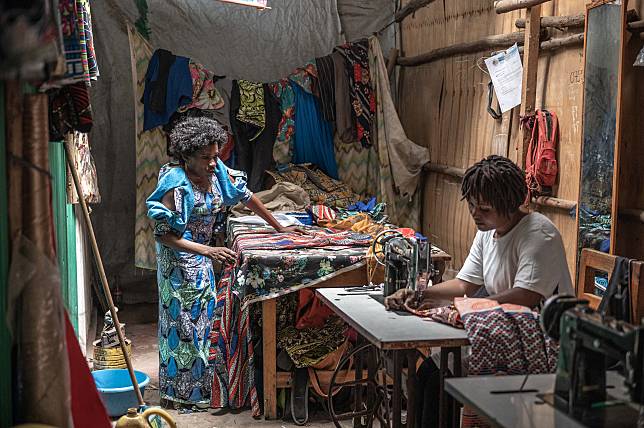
[(82, 159)]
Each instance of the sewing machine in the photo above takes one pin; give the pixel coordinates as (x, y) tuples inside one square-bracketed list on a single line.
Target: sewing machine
[(588, 341), (407, 261)]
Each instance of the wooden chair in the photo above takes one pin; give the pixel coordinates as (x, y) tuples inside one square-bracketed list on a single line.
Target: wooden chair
[(594, 261)]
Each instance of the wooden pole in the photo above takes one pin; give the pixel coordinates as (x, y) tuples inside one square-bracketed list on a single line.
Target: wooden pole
[(391, 61), (560, 22), (101, 271), (633, 213), (486, 43), (503, 6), (530, 67), (549, 201), (444, 169), (410, 8)]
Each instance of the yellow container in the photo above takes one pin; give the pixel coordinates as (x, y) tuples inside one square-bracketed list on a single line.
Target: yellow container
[(110, 358)]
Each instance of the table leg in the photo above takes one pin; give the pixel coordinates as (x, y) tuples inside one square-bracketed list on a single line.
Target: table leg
[(397, 394), (412, 358), (358, 398), (447, 402), (269, 316)]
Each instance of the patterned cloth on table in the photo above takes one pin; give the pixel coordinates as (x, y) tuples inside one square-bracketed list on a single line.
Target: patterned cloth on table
[(269, 265), (360, 223), (251, 108), (309, 346), (283, 148), (204, 94), (445, 314), (81, 157), (362, 97), (506, 340), (150, 155), (76, 26), (321, 188)]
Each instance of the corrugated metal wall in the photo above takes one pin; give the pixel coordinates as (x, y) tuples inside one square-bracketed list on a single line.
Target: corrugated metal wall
[(443, 106)]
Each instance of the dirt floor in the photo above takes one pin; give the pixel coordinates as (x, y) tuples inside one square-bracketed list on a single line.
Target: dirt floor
[(145, 359)]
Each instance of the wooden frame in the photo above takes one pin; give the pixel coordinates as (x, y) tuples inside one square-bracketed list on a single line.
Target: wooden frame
[(592, 261), (615, 176)]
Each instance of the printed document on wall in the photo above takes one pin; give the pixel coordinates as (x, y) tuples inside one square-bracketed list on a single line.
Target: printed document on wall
[(506, 72)]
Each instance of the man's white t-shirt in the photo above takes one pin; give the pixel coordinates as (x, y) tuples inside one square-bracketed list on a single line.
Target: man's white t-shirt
[(529, 256)]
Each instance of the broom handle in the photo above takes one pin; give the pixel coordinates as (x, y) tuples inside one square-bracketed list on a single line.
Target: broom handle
[(101, 271)]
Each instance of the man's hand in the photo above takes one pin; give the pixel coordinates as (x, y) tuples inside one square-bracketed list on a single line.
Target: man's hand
[(221, 254), (399, 300)]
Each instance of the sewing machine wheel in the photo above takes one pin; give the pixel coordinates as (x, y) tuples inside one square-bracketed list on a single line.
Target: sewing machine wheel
[(378, 244), (373, 396), (552, 311)]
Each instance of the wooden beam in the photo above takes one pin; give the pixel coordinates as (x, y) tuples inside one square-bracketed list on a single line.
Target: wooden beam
[(633, 213), (559, 22), (530, 67), (444, 169), (503, 6), (391, 61), (269, 319), (549, 201), (410, 8), (486, 43)]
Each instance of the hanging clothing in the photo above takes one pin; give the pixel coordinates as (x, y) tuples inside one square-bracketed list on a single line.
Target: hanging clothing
[(178, 89), (315, 135), (283, 149), (159, 88), (187, 284), (222, 115), (204, 94), (78, 43), (362, 97), (253, 150), (344, 123), (326, 86), (251, 105), (81, 157), (616, 301), (69, 109), (306, 77)]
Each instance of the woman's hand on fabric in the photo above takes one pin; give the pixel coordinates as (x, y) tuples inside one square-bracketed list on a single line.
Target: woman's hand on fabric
[(221, 254), (398, 300), (293, 229)]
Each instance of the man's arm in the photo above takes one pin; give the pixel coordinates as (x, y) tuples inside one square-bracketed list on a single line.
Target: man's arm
[(518, 296)]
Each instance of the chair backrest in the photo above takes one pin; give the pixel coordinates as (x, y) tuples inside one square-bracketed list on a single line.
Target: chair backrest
[(593, 261)]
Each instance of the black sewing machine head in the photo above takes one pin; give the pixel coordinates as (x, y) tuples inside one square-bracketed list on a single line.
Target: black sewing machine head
[(588, 341), (407, 260)]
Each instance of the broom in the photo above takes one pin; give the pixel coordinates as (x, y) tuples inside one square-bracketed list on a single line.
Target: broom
[(105, 285)]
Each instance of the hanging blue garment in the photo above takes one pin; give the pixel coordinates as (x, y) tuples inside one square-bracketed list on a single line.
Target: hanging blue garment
[(314, 142)]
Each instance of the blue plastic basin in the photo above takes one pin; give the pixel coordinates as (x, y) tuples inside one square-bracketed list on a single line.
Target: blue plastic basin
[(117, 391)]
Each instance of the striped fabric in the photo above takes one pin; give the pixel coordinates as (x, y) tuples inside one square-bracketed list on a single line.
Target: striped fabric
[(322, 212), (326, 86)]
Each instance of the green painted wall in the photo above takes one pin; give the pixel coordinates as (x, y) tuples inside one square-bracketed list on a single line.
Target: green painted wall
[(65, 225)]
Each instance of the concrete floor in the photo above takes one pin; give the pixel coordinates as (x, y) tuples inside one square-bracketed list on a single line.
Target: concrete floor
[(145, 359)]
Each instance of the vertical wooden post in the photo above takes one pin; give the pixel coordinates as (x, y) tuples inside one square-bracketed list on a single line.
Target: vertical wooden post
[(530, 67), (269, 325)]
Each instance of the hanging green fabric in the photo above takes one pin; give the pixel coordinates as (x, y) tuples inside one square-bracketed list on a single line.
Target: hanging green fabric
[(142, 24)]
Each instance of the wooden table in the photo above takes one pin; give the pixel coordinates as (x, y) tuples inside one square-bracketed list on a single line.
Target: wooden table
[(524, 409), (401, 333), (272, 379)]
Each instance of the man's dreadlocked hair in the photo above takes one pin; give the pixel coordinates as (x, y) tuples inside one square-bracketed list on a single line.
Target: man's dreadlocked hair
[(497, 181)]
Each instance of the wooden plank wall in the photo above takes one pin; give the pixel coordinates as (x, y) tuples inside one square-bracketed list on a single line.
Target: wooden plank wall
[(443, 106)]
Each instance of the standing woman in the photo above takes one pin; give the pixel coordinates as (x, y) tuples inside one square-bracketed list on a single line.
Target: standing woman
[(189, 194)]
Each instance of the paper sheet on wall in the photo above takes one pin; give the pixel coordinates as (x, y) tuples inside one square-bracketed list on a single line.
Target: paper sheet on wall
[(506, 72)]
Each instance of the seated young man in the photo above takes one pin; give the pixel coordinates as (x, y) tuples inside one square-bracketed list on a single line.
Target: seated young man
[(516, 257)]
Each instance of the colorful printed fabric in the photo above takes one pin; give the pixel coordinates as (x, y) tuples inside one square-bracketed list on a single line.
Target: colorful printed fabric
[(506, 340), (82, 159), (445, 314), (306, 77), (187, 299), (310, 345), (322, 213), (150, 155), (69, 109), (263, 273), (283, 148), (204, 94), (251, 109), (321, 188), (362, 97), (80, 59)]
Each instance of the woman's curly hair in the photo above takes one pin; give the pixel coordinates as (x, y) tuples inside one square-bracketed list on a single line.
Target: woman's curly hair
[(194, 133)]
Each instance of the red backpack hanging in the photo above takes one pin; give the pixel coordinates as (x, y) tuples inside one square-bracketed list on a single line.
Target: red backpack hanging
[(541, 157)]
